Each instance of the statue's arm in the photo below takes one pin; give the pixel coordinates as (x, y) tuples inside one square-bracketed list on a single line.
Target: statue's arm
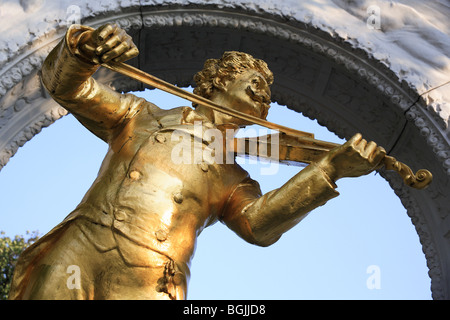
[(262, 219), (66, 74)]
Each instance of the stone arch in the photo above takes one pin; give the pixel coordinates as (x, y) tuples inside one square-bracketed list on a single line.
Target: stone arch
[(320, 69)]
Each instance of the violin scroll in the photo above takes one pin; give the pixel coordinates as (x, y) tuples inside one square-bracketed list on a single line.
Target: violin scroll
[(420, 180)]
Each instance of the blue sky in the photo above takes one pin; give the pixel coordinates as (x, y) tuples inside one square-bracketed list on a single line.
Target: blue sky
[(331, 254)]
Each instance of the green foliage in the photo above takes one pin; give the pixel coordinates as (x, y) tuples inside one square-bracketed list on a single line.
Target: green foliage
[(10, 250)]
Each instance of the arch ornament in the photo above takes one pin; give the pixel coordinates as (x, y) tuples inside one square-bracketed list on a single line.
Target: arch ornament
[(320, 71)]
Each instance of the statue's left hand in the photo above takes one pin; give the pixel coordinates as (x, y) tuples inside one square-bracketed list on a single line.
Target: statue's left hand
[(108, 42), (354, 158)]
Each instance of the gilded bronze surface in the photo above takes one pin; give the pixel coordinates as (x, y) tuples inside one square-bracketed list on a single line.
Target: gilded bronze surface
[(134, 233)]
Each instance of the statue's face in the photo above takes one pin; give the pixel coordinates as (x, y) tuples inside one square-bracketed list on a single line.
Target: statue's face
[(247, 93)]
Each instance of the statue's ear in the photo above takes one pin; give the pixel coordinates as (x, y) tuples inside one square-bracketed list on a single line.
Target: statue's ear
[(220, 83)]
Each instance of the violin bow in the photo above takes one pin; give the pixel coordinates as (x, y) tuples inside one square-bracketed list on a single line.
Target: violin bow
[(302, 142), (157, 83)]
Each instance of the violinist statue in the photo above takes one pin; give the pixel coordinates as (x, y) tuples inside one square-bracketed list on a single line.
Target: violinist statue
[(134, 232)]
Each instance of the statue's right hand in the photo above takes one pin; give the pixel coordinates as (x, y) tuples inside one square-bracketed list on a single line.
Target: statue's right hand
[(108, 42)]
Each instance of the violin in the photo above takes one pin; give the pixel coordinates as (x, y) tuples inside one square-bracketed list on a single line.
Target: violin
[(295, 147), (302, 151)]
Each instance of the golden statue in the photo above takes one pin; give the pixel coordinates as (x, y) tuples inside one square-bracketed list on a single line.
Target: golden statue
[(133, 234)]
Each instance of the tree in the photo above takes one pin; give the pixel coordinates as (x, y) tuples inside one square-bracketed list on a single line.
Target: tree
[(10, 250)]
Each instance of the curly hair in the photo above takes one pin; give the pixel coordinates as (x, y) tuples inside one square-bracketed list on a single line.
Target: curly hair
[(228, 67)]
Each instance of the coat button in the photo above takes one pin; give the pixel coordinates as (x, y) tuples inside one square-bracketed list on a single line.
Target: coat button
[(120, 215), (178, 197), (160, 138), (135, 175), (161, 235)]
